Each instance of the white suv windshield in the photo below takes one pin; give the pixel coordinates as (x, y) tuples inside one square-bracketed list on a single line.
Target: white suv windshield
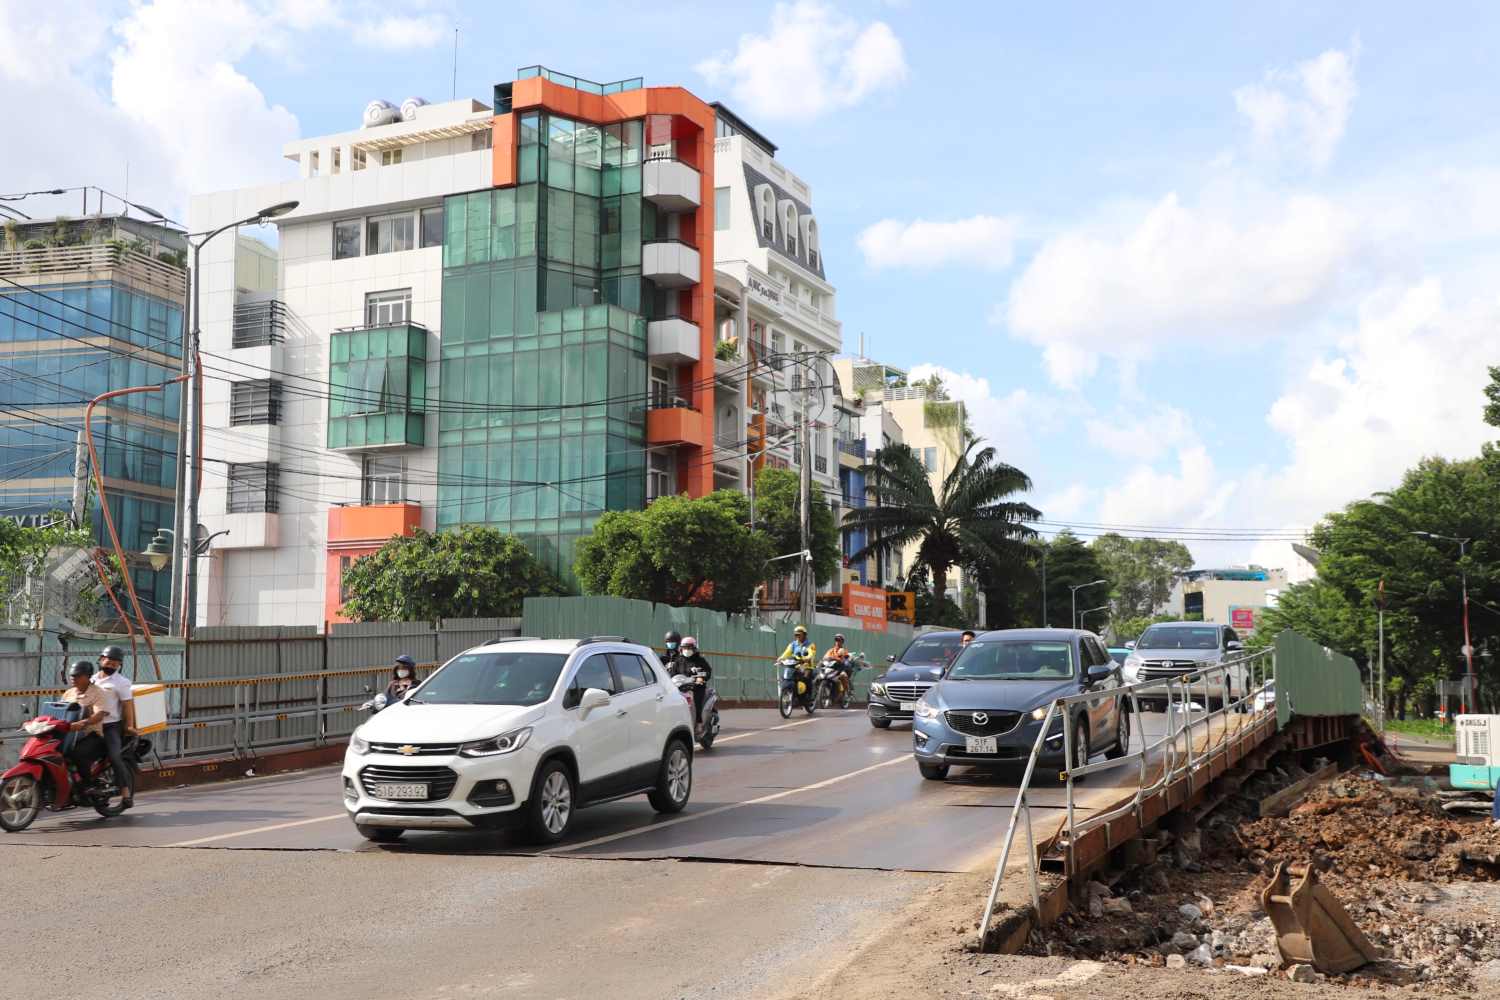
[(1179, 638), (1013, 660), (498, 678)]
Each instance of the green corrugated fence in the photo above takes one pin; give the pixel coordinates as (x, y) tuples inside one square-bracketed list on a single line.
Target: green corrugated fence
[(742, 652), (1312, 680)]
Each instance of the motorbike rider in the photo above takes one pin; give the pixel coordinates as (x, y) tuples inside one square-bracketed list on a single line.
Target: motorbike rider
[(403, 678), (691, 663), (838, 651), (804, 652), (100, 708), (673, 642), (111, 678)]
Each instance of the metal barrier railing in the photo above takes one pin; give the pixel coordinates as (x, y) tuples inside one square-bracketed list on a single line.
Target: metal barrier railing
[(233, 715), (1240, 682)]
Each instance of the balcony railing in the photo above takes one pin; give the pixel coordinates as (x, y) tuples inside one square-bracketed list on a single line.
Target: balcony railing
[(63, 260), (820, 463), (852, 446), (260, 324)]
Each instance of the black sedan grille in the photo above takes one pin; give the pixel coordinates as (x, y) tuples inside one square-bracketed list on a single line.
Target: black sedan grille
[(439, 780), (983, 723), (904, 691)]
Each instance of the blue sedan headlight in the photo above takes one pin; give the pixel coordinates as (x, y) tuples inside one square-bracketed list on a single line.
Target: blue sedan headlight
[(926, 711)]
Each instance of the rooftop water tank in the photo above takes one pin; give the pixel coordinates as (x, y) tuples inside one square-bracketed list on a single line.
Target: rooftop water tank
[(409, 108), (380, 112)]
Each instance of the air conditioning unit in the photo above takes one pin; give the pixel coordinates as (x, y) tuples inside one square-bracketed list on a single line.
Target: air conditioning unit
[(1477, 741)]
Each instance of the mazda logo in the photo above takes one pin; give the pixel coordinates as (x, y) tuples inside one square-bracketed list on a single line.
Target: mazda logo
[(981, 718)]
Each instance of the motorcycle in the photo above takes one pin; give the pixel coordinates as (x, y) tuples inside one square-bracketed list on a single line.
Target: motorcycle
[(836, 678), (799, 685), (45, 777), (706, 723), (375, 704)]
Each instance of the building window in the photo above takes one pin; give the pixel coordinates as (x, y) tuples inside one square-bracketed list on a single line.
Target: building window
[(344, 563), (383, 480), (789, 227), (338, 159), (721, 208), (357, 159), (390, 157), (346, 239), (312, 163), (255, 402), (767, 199), (390, 233), (661, 386), (252, 488), (659, 476), (929, 460), (481, 140), (432, 225), (388, 308)]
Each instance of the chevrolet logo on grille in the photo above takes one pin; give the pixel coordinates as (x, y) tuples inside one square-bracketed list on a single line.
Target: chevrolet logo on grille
[(407, 750)]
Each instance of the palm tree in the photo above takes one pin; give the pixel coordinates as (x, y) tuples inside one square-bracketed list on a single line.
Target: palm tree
[(970, 524)]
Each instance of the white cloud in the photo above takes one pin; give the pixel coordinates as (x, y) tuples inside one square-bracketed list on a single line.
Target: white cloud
[(982, 241), (1302, 113), (1066, 504), (1237, 262), (813, 60), (1195, 493), (396, 32), (1141, 437)]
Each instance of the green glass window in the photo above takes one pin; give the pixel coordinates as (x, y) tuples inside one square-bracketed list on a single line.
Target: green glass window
[(378, 385)]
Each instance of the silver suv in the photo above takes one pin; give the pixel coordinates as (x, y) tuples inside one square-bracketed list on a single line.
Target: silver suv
[(1173, 649)]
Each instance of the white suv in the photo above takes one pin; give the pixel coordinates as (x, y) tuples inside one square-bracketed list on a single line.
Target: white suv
[(522, 732)]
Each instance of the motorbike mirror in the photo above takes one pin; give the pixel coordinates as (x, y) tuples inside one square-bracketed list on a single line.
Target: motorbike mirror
[(891, 658), (380, 700)]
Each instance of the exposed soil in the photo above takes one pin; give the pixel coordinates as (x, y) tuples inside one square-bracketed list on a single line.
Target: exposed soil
[(1423, 885)]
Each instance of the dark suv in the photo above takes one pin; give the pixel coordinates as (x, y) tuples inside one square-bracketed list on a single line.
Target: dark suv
[(894, 694)]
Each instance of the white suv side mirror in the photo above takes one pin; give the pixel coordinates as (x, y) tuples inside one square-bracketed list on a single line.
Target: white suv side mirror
[(592, 698)]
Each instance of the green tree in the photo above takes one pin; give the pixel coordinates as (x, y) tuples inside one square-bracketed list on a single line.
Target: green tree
[(1141, 571), (1130, 629), (968, 523), (1071, 563), (474, 572), (677, 551), (1492, 398), (29, 552), (778, 514)]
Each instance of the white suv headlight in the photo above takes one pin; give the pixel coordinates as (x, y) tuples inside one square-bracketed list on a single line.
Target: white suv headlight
[(358, 743), (493, 747)]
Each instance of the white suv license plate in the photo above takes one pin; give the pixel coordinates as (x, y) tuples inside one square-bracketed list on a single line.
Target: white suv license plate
[(981, 744), (908, 706), (385, 790)]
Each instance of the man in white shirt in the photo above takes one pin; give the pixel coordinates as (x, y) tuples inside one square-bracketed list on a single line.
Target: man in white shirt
[(109, 677)]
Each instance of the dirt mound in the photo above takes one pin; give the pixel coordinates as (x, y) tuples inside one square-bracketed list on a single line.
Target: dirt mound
[(1359, 825)]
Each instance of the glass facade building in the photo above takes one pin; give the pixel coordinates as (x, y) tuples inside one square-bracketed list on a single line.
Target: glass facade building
[(544, 347), (61, 345), (378, 386)]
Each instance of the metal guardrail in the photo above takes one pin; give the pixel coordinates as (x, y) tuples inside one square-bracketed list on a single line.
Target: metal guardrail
[(1185, 721), (257, 714)]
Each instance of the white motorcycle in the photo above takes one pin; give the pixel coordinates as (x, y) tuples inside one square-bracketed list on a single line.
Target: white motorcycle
[(706, 723)]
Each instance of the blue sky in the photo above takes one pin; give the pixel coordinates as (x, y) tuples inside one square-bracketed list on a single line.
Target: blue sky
[(1205, 266)]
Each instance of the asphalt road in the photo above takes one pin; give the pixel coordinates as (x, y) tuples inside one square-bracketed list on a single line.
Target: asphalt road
[(827, 791), (805, 841)]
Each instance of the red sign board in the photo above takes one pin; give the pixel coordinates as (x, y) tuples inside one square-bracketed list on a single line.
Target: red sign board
[(1242, 620), (867, 604)]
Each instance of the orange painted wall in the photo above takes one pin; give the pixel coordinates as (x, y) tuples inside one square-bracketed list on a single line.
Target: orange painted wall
[(360, 531), (695, 461)]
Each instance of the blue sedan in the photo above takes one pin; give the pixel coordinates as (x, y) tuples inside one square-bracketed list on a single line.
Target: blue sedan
[(988, 708)]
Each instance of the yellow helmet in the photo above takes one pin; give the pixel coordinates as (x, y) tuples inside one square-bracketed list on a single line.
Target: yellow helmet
[(800, 630)]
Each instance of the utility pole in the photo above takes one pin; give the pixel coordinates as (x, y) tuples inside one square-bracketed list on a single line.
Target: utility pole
[(185, 539), (80, 480), (1044, 585), (804, 476), (181, 544), (1380, 659)]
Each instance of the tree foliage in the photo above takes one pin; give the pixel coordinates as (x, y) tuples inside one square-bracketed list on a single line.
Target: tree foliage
[(679, 551), (29, 552), (778, 514), (1141, 571), (1492, 398), (474, 572), (968, 523), (1071, 563)]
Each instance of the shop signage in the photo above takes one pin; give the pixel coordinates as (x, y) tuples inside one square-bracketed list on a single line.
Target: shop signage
[(867, 604), (765, 291)]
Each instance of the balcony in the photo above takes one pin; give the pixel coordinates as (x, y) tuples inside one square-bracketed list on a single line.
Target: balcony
[(378, 387), (675, 340), (671, 263), (671, 184), (259, 324), (853, 447), (375, 523), (676, 424)]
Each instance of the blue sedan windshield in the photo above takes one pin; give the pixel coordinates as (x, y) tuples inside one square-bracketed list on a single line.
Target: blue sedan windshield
[(1013, 660)]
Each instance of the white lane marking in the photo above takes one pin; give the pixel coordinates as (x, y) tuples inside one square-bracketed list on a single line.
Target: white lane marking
[(258, 829), (774, 796), (757, 732)]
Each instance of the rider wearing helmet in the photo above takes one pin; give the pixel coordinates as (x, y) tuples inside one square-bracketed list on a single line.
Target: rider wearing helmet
[(691, 663), (838, 651), (100, 709), (799, 649), (673, 642), (403, 678), (112, 679)]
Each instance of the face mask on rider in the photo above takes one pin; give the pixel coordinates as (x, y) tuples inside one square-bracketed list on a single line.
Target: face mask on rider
[(403, 673)]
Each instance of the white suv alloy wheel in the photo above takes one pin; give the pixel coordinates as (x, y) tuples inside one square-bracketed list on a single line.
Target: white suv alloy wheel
[(557, 802), (679, 774)]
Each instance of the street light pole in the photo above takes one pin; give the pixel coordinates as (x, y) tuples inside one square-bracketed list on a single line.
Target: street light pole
[(1044, 585), (1075, 591), (1470, 692), (186, 538)]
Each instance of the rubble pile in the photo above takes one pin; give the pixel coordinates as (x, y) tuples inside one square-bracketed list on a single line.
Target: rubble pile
[(1413, 878)]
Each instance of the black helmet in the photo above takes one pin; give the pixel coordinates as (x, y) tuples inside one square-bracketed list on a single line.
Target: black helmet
[(672, 638), (112, 653), (405, 660), (81, 668)]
